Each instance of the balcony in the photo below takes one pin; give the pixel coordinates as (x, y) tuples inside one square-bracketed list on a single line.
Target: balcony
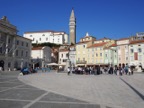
[(81, 62)]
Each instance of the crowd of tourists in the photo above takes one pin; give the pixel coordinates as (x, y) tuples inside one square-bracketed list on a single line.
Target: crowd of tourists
[(97, 70)]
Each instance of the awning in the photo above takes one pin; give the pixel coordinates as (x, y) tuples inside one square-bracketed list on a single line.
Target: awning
[(53, 64)]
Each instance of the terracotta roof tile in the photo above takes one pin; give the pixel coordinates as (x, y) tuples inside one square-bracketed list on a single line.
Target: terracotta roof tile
[(113, 45), (83, 42), (136, 41), (37, 48), (97, 45)]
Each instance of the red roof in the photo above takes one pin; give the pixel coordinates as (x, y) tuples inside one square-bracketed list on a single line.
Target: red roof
[(113, 45), (83, 42), (98, 44), (136, 41), (37, 48)]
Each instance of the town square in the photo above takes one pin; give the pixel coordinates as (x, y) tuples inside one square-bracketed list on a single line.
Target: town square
[(71, 54)]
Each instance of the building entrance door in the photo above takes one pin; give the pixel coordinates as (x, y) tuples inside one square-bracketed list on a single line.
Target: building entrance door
[(2, 64)]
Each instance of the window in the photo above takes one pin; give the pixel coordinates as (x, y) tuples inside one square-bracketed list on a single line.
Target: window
[(39, 39), (140, 57), (78, 59), (67, 55), (43, 35), (83, 59), (131, 50), (26, 54), (62, 55), (126, 58), (16, 52), (83, 46), (22, 53), (132, 58), (118, 47), (9, 40), (119, 59), (101, 54), (26, 44), (46, 39), (33, 39), (64, 60), (139, 50), (22, 43), (17, 42), (0, 49), (96, 55), (105, 55), (30, 35)]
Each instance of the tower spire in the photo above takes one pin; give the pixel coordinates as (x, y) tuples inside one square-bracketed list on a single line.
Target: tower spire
[(72, 16), (72, 27)]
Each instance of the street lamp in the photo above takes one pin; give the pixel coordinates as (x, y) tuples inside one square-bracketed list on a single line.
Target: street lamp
[(43, 62)]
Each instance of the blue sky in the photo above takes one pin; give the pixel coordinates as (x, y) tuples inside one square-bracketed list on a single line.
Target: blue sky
[(101, 18)]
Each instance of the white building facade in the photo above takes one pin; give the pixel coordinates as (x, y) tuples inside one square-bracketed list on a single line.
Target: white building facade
[(41, 56), (136, 50), (15, 50), (72, 55), (47, 37), (63, 56)]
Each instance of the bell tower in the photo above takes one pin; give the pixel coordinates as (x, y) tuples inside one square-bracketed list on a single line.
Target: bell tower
[(72, 28)]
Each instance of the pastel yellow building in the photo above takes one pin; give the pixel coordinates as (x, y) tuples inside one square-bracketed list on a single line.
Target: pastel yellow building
[(81, 49), (96, 54)]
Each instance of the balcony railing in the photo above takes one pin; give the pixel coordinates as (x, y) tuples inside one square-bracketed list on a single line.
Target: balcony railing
[(81, 62)]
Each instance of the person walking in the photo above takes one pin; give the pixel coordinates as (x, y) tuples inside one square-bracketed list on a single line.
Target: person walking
[(68, 71), (126, 69)]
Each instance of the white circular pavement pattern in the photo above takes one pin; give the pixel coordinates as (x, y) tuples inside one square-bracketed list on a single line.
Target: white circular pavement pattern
[(104, 89)]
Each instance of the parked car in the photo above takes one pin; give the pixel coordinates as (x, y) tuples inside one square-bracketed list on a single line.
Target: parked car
[(25, 71)]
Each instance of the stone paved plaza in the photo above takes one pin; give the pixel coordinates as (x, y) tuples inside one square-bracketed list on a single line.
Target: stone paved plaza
[(58, 90)]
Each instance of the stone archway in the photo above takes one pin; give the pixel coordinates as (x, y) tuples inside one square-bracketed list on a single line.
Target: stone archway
[(2, 64)]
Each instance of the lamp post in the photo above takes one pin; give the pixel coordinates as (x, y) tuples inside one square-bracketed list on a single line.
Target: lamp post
[(43, 62), (33, 64)]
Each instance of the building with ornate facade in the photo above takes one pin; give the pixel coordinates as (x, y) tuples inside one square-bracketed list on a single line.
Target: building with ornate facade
[(15, 50), (81, 49)]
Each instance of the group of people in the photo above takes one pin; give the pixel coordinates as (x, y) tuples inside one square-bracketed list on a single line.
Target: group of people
[(97, 70)]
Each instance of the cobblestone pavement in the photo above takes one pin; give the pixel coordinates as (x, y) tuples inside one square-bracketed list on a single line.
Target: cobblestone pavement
[(57, 90)]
